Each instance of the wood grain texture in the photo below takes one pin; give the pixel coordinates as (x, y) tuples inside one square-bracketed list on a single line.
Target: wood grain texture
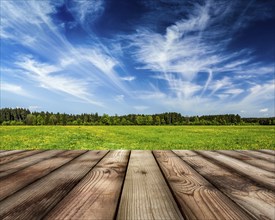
[(9, 152), (19, 155), (198, 199), (263, 177), (14, 166), (272, 152), (97, 195), (259, 155), (145, 193), (72, 185), (16, 181), (256, 200), (35, 200), (263, 164)]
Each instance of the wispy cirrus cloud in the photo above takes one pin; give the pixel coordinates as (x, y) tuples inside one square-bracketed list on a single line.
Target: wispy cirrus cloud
[(13, 88), (85, 11), (47, 77), (75, 70), (173, 55), (198, 45)]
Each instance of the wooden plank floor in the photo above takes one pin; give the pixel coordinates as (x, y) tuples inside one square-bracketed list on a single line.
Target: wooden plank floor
[(123, 184)]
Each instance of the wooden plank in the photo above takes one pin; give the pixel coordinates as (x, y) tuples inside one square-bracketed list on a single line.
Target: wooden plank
[(35, 200), (19, 155), (145, 193), (16, 181), (258, 155), (97, 195), (272, 152), (9, 152), (17, 165), (260, 176), (263, 164), (197, 198), (256, 200)]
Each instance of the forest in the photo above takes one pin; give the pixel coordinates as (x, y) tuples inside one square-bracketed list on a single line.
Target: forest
[(22, 116)]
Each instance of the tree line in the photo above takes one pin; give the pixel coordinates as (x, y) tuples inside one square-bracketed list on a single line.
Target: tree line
[(21, 116)]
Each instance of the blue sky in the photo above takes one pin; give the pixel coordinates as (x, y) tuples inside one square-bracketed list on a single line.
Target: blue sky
[(138, 56)]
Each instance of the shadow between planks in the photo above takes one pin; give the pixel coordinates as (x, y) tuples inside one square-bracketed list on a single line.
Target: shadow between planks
[(124, 184)]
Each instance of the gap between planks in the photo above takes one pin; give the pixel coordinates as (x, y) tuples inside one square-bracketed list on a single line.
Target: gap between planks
[(149, 177), (256, 200), (37, 199), (198, 199), (145, 193)]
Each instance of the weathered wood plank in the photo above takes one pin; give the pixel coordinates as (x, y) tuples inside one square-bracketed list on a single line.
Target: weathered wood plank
[(272, 152), (263, 164), (35, 200), (97, 195), (258, 155), (19, 164), (145, 193), (9, 152), (260, 176), (16, 181), (18, 155), (256, 200), (198, 199)]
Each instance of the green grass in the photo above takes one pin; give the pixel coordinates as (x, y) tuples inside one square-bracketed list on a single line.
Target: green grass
[(137, 137)]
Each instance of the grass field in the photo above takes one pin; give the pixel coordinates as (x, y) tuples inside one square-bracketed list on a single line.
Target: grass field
[(137, 137)]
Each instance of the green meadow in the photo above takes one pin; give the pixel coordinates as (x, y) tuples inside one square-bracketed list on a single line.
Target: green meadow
[(137, 137)]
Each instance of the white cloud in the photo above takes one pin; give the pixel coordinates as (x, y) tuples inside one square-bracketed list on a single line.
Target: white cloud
[(149, 95), (262, 92), (128, 78), (264, 110), (100, 65), (185, 51), (85, 10), (100, 60), (234, 91), (177, 58), (66, 63), (34, 108), (16, 89), (47, 77), (181, 49), (257, 96)]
